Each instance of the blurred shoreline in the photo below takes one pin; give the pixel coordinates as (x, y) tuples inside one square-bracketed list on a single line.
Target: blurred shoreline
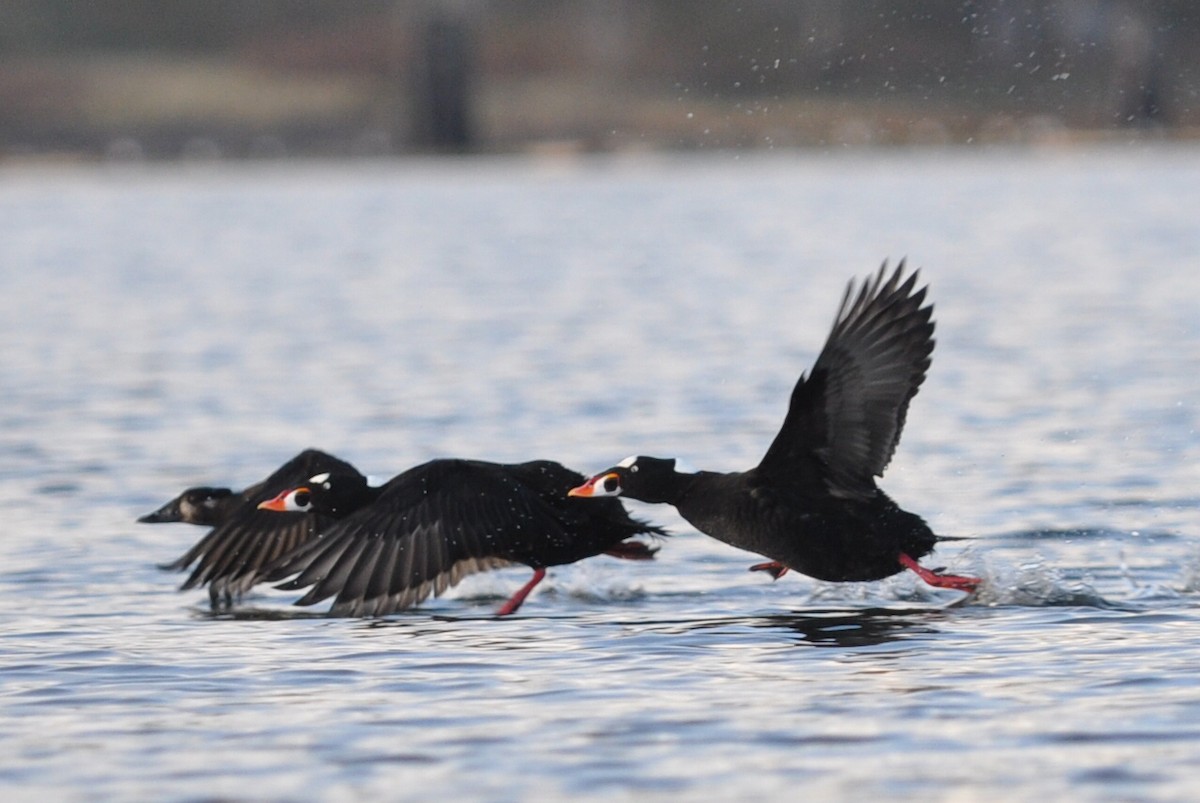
[(107, 82), (166, 109)]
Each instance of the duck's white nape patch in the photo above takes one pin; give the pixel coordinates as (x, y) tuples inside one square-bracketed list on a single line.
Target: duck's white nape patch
[(627, 462), (684, 467), (319, 479)]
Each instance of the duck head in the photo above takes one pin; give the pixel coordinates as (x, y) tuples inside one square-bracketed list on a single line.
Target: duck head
[(647, 479), (201, 505), (330, 494)]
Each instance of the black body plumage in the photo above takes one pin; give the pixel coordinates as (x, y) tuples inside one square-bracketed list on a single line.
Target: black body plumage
[(812, 503), (427, 528)]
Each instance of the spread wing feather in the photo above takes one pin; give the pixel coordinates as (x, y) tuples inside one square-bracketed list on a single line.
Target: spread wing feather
[(846, 416), (231, 556)]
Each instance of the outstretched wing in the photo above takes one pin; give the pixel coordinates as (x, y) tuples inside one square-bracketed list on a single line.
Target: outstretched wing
[(846, 416), (231, 556), (430, 527)]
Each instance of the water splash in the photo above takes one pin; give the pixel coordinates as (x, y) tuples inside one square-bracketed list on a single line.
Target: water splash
[(1189, 574), (1036, 583)]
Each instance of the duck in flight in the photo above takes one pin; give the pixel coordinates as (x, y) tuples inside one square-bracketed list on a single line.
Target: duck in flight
[(243, 539), (421, 532), (812, 504)]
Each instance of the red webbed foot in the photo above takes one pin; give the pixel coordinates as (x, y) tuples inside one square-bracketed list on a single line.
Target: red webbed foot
[(937, 579), (771, 567)]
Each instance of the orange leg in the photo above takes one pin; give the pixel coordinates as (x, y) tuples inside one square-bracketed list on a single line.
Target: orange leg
[(519, 597), (939, 580)]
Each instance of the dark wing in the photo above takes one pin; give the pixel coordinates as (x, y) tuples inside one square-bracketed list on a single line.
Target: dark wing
[(231, 556), (430, 527), (597, 523), (295, 472), (846, 417)]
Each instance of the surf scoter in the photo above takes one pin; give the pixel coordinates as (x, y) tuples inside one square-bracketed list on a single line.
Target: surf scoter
[(812, 504), (427, 528), (244, 539)]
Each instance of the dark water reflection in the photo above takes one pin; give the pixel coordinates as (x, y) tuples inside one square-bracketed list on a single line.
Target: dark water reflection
[(834, 628), (816, 628)]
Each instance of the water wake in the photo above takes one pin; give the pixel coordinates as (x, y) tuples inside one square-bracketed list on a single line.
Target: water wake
[(1036, 584)]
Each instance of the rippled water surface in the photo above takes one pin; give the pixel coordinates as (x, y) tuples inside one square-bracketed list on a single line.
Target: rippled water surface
[(166, 327)]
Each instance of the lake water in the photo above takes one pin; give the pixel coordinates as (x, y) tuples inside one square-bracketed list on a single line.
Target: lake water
[(178, 325)]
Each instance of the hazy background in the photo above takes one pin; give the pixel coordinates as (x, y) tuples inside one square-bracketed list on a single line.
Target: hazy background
[(163, 79)]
